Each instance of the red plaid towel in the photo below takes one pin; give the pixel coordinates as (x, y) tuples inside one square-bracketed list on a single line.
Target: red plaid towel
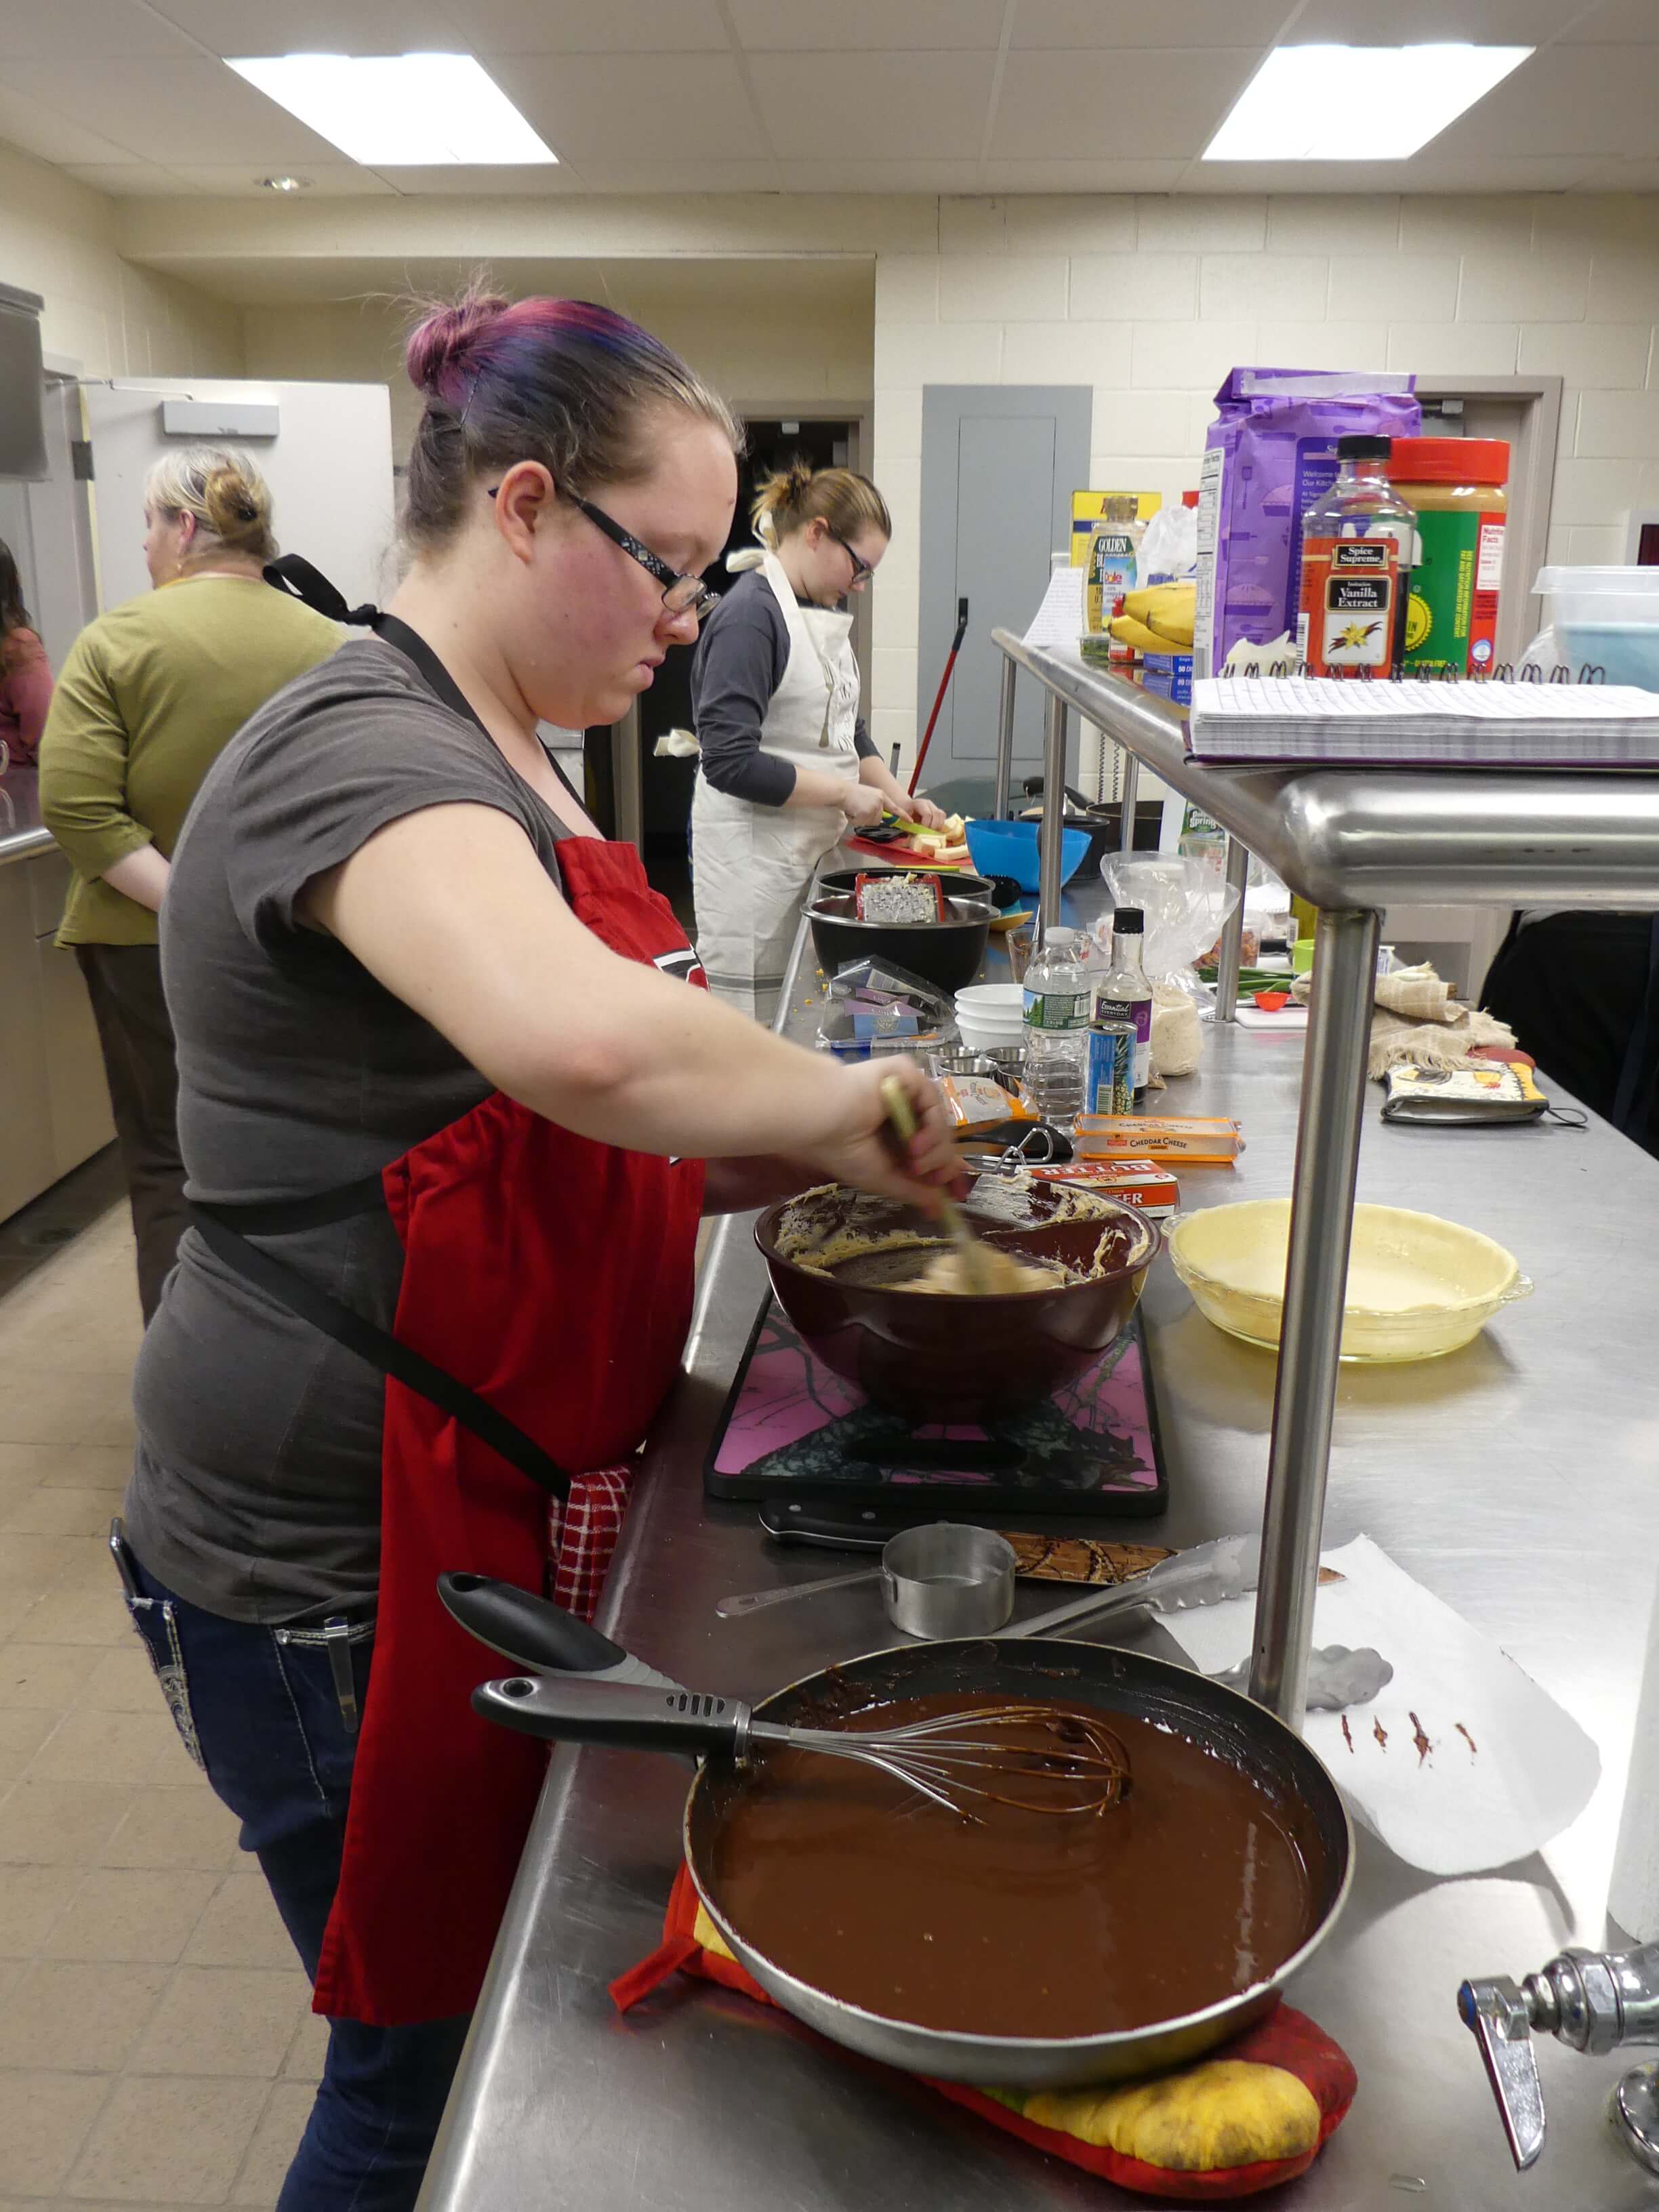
[(582, 1531)]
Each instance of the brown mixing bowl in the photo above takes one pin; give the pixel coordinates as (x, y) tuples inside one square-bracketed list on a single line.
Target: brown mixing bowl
[(951, 1357)]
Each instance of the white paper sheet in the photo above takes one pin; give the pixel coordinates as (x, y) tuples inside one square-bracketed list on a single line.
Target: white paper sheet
[(1505, 1768), (1058, 623)]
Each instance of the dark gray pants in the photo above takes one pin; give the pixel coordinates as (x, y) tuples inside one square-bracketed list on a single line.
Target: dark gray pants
[(125, 984)]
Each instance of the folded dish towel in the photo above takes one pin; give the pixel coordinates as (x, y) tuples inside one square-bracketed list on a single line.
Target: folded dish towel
[(1417, 1019), (1251, 2115)]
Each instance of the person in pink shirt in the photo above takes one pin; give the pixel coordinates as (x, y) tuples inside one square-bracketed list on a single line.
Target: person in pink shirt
[(25, 671)]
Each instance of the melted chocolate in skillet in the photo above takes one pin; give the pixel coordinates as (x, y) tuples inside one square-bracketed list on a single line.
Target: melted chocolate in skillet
[(1028, 1924)]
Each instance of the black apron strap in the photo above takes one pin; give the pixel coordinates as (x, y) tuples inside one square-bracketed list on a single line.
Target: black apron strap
[(291, 574), (370, 1342), (1638, 1075)]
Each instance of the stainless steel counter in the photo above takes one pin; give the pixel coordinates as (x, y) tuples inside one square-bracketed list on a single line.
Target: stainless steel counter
[(22, 831), (1514, 1479)]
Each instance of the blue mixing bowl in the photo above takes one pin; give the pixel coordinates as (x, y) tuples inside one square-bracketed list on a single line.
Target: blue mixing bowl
[(1010, 849)]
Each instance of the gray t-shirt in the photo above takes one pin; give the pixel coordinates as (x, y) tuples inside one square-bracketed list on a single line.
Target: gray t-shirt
[(256, 1489)]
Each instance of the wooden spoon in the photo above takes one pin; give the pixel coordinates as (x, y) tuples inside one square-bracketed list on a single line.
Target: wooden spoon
[(978, 1267)]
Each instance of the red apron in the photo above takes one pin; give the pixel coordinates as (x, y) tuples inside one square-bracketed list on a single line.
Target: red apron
[(551, 1275)]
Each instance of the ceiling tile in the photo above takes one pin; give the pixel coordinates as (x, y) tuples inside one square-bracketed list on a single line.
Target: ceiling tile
[(39, 127), (1617, 21), (917, 107), (1080, 176), (1412, 22), (156, 109), (114, 30), (704, 174), (864, 25), (1140, 101), (577, 26), (331, 26), (1435, 171), (325, 180), (670, 105), (508, 180), (1600, 101), (1428, 173), (131, 180), (1104, 24), (866, 175)]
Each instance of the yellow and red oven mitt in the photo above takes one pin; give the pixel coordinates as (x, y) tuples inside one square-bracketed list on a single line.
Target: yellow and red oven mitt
[(1248, 2117)]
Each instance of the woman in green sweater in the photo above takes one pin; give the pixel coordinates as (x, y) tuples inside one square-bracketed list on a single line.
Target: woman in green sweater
[(150, 694)]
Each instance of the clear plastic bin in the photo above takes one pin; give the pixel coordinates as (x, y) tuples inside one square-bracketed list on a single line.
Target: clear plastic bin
[(1606, 618)]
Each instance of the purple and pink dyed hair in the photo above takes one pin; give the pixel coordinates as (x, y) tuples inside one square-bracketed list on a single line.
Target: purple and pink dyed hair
[(564, 382)]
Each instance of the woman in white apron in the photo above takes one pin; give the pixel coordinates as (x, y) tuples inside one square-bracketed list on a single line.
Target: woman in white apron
[(787, 763)]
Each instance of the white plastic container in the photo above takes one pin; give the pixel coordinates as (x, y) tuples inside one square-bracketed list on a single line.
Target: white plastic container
[(989, 1014), (1606, 618)]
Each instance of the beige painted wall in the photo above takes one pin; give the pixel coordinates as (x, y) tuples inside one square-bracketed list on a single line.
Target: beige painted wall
[(751, 354), (58, 238), (1148, 300)]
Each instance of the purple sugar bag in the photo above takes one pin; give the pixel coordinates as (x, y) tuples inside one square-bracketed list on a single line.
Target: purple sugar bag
[(1269, 454)]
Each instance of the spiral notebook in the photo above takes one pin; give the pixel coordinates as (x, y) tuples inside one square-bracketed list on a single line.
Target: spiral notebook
[(1423, 724)]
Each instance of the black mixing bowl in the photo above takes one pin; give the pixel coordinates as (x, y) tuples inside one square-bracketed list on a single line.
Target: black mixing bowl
[(947, 954)]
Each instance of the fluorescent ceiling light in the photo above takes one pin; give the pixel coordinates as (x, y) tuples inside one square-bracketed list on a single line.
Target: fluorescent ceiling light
[(1356, 103), (393, 111)]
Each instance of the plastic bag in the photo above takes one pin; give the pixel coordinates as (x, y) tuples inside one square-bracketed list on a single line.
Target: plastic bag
[(875, 1007), (1169, 552), (1186, 904)]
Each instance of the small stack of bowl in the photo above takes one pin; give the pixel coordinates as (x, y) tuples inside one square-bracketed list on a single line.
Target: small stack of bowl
[(991, 1015)]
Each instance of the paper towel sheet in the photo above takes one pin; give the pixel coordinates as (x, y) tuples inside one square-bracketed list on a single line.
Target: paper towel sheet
[(1505, 1768)]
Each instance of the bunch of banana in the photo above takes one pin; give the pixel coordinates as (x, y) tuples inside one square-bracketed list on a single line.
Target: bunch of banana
[(1158, 620)]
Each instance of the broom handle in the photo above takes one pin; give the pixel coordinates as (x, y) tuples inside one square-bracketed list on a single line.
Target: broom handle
[(938, 700)]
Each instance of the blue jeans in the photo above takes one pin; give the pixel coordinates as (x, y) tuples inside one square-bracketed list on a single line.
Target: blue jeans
[(261, 1712)]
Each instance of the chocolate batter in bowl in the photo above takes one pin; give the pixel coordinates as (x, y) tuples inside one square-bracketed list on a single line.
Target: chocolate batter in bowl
[(843, 1267), (1023, 1950)]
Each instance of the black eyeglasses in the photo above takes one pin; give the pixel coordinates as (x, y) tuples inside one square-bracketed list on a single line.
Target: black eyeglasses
[(862, 569), (682, 595)]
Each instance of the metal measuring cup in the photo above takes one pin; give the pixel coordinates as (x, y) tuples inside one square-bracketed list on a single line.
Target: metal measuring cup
[(945, 1578)]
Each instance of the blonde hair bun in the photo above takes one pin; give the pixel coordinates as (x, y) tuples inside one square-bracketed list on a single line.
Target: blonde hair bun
[(224, 491), (797, 494)]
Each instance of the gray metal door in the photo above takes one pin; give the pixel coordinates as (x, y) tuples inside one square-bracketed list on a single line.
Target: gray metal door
[(998, 465)]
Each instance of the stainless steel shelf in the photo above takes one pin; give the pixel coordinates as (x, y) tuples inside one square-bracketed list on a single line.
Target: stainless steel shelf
[(1365, 837), (1349, 840)]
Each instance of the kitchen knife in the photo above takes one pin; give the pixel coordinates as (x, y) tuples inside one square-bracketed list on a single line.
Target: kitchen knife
[(1225, 1567), (533, 1632)]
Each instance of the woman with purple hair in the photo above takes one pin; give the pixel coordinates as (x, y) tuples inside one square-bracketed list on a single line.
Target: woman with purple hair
[(450, 1108)]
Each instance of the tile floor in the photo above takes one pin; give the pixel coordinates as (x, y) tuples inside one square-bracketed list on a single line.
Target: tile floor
[(156, 2046)]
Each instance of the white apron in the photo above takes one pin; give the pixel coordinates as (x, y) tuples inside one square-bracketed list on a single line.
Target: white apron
[(752, 866)]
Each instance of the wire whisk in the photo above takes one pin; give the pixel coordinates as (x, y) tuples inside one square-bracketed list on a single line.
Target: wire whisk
[(1034, 1758)]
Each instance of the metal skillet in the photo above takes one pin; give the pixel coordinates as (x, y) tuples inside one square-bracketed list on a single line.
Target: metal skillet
[(1218, 1719)]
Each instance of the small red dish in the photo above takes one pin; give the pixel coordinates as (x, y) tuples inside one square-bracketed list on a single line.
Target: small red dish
[(1272, 1002)]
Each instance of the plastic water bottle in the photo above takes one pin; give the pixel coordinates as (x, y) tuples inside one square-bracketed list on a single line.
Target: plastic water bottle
[(1057, 1027)]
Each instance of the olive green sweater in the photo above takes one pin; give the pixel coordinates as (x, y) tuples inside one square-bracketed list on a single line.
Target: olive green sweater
[(149, 697)]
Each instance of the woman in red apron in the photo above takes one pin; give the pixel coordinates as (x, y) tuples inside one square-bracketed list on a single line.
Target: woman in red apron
[(451, 1116)]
